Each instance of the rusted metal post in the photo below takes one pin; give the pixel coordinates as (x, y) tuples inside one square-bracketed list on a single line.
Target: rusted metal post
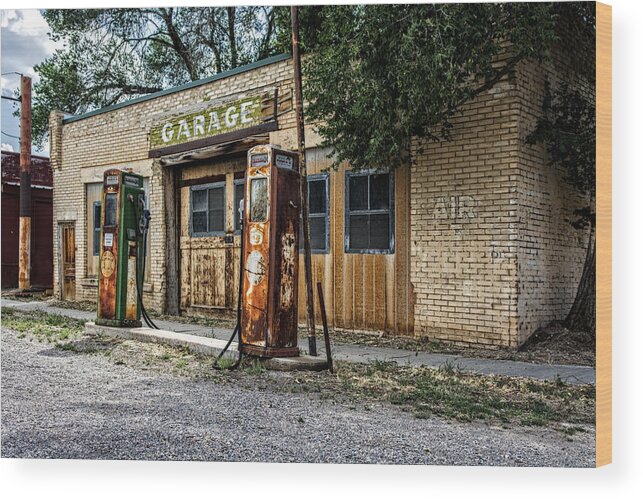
[(299, 109), (24, 246), (322, 307)]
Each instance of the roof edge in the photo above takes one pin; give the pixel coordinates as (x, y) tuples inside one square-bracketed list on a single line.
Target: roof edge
[(196, 83)]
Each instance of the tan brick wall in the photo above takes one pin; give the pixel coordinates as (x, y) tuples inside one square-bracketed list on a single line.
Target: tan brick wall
[(120, 139), (551, 253), (494, 256), (463, 225)]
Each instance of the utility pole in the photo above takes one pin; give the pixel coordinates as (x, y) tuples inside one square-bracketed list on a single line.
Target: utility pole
[(24, 246), (299, 109)]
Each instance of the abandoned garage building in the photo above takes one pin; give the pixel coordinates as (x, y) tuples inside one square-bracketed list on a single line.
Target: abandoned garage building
[(470, 242)]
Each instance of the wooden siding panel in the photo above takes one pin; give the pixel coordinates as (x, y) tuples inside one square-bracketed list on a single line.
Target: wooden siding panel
[(361, 291)]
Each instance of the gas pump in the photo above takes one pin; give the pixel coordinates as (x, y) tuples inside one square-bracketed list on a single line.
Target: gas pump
[(122, 221), (270, 259)]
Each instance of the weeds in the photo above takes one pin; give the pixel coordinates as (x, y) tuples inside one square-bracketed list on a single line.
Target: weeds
[(450, 392), (52, 328)]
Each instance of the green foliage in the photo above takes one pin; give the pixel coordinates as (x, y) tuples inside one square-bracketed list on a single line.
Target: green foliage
[(112, 55), (42, 325), (568, 130), (377, 75)]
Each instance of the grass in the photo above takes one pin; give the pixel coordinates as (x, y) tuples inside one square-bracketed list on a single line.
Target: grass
[(52, 328), (452, 393)]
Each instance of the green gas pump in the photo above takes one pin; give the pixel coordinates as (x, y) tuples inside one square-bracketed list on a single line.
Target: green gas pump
[(119, 281)]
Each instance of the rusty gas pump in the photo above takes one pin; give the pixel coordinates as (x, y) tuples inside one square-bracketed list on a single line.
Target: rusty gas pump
[(270, 259), (123, 201)]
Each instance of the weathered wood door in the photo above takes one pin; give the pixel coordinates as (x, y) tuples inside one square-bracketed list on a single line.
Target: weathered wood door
[(210, 241), (67, 260)]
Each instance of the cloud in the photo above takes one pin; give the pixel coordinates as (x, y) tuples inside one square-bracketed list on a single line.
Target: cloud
[(25, 42), (7, 147)]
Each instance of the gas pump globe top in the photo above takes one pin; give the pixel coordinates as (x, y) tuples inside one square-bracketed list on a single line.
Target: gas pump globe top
[(271, 253), (123, 204)]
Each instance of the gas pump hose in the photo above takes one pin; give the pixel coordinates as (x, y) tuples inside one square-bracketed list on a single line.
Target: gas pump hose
[(150, 323), (139, 291), (237, 327)]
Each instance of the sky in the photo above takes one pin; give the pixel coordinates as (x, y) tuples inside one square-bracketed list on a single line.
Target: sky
[(23, 44)]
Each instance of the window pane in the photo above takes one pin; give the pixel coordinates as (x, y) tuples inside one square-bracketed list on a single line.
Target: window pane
[(96, 215), (110, 210), (238, 198), (199, 222), (317, 233), (96, 242), (216, 198), (379, 185), (199, 200), (358, 232), (379, 232), (259, 200), (215, 221), (358, 192), (317, 196)]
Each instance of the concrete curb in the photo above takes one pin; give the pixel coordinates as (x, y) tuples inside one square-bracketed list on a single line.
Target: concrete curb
[(206, 346)]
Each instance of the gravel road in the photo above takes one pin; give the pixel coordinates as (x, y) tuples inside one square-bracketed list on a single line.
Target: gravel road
[(66, 405)]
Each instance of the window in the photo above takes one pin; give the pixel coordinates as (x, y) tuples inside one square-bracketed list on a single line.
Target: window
[(207, 209), (111, 202), (259, 199), (239, 189), (96, 226), (93, 211), (318, 214), (369, 212)]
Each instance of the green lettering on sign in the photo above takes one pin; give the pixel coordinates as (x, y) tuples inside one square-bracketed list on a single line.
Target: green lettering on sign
[(236, 115)]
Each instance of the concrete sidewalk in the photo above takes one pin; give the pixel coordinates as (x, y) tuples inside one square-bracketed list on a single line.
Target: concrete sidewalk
[(365, 354)]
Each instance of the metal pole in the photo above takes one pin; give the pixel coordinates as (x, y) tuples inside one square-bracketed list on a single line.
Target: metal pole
[(322, 308), (24, 246), (299, 109)]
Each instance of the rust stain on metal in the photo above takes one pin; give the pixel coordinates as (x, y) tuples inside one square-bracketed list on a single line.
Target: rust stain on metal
[(109, 257), (286, 291), (271, 232), (131, 294), (24, 262)]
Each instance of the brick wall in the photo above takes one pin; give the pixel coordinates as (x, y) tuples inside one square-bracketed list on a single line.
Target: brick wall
[(463, 225), (494, 255), (551, 253)]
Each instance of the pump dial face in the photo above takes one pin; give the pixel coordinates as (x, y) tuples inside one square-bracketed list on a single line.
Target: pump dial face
[(107, 263)]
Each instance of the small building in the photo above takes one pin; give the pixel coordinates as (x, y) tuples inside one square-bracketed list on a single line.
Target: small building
[(41, 220), (469, 243)]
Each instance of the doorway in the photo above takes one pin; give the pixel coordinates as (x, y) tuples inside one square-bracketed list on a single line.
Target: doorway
[(67, 260)]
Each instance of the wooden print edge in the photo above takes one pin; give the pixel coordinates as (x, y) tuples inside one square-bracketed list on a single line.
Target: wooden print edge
[(603, 234)]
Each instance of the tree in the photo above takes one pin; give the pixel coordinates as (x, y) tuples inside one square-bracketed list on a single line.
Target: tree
[(379, 75), (391, 72), (113, 55)]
